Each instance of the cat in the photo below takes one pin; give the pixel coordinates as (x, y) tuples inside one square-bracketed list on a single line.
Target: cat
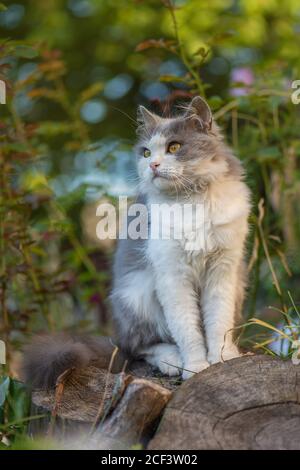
[(173, 306)]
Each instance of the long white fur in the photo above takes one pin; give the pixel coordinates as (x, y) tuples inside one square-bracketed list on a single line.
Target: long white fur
[(178, 275)]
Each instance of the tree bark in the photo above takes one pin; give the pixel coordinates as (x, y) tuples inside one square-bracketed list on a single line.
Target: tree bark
[(252, 402), (135, 416), (94, 408)]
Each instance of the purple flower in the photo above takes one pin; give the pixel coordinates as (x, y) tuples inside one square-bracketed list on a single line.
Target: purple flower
[(95, 298), (242, 75)]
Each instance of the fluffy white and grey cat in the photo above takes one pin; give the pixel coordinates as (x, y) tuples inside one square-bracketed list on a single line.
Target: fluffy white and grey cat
[(173, 306)]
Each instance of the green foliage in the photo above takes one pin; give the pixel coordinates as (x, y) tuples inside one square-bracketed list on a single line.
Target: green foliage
[(33, 222), (14, 410), (74, 73)]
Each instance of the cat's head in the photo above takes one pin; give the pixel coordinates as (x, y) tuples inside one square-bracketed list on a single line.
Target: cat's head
[(182, 153)]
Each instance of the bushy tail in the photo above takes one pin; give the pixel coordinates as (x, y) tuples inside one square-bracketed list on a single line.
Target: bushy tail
[(48, 356)]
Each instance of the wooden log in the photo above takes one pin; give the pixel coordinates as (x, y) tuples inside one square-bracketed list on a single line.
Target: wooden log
[(98, 409), (83, 394), (252, 402), (134, 418)]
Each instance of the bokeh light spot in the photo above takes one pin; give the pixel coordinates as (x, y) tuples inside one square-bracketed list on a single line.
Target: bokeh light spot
[(93, 111)]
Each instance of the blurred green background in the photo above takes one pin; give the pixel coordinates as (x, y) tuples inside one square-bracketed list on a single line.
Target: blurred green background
[(75, 72)]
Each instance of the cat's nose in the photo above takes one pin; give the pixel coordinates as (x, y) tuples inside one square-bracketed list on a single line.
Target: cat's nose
[(154, 166)]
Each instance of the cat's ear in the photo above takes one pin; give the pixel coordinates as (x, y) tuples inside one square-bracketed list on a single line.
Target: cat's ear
[(147, 119), (200, 112)]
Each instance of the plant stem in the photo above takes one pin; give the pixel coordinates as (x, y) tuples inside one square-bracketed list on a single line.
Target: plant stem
[(269, 260), (182, 52)]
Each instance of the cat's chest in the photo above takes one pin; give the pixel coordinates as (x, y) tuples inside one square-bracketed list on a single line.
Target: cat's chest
[(193, 231), (190, 236), (199, 234), (198, 239)]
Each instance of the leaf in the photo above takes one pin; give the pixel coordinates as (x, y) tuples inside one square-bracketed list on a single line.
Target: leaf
[(53, 68), (215, 102), (25, 52), (35, 181), (257, 321), (4, 388), (73, 145), (269, 154), (45, 93), (172, 78), (38, 251), (38, 443), (220, 37), (14, 147), (202, 52), (3, 7), (156, 44), (52, 128), (91, 91), (19, 401)]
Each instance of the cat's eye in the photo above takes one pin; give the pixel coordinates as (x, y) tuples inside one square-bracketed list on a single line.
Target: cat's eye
[(147, 153), (174, 147)]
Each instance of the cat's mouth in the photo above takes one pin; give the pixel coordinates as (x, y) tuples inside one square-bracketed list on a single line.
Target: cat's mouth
[(162, 181), (159, 175)]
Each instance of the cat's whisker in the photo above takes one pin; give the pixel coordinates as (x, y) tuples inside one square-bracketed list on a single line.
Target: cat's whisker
[(125, 114), (176, 189), (182, 182)]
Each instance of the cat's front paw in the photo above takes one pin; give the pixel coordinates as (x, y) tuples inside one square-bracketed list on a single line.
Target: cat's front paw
[(171, 369), (168, 360), (192, 368), (224, 355)]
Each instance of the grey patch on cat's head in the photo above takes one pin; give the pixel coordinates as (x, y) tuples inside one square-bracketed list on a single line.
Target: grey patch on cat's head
[(199, 112), (203, 156), (146, 119)]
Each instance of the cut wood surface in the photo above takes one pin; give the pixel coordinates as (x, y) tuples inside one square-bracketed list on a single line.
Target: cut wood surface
[(134, 417), (252, 402), (82, 394), (113, 410)]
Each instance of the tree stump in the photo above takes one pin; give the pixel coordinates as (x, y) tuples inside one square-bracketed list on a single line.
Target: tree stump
[(93, 408), (136, 415), (252, 402)]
